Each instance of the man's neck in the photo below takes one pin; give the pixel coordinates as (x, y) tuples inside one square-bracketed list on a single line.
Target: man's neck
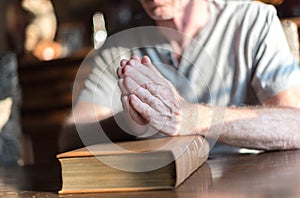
[(193, 18)]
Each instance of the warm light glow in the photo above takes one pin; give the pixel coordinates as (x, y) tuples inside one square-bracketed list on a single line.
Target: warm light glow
[(43, 25), (48, 53), (47, 50), (100, 36)]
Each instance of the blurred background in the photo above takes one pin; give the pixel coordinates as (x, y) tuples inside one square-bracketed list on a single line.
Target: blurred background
[(47, 40)]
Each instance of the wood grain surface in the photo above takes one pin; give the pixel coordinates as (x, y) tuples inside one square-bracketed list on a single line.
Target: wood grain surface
[(272, 175)]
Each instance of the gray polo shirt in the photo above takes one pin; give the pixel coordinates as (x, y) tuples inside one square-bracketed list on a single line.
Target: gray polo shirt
[(241, 57)]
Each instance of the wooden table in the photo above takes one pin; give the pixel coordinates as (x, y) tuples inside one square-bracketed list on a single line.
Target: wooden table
[(273, 174)]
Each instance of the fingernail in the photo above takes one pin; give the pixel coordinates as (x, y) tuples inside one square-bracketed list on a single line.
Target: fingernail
[(123, 62), (132, 63), (118, 72)]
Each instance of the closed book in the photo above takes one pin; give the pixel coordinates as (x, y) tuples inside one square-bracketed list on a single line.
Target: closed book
[(161, 163)]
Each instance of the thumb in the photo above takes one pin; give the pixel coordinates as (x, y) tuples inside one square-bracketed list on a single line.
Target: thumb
[(147, 62)]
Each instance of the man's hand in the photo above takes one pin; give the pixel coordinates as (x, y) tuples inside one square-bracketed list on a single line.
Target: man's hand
[(149, 98)]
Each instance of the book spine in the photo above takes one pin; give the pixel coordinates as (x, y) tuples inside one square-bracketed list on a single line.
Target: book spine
[(190, 157)]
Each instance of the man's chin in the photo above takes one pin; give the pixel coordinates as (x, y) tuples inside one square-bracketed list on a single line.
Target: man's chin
[(162, 17)]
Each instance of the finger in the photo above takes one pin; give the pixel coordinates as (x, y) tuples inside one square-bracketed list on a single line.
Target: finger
[(152, 80), (127, 62), (119, 72), (145, 96), (125, 103), (130, 65), (131, 62), (149, 92), (142, 108), (131, 85), (161, 122), (147, 62), (134, 88), (140, 73), (133, 114), (160, 91), (137, 118), (122, 87), (143, 74), (136, 58), (123, 62)]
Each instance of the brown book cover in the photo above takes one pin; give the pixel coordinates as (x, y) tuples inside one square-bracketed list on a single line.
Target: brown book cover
[(161, 163)]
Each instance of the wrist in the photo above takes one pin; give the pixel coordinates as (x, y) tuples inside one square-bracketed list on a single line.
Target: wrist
[(200, 118)]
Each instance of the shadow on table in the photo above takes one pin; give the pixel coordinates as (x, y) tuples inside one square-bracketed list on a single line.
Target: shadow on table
[(27, 181), (44, 180)]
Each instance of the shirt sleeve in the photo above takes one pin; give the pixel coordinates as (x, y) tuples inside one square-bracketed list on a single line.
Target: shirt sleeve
[(101, 86), (275, 68)]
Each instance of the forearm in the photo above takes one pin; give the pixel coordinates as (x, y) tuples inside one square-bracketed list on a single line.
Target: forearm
[(85, 134), (69, 138), (259, 127)]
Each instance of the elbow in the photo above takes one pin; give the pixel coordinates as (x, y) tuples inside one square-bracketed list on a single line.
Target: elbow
[(293, 142), (69, 138), (289, 143)]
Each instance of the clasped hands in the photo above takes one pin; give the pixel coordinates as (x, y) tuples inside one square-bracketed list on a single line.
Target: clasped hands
[(150, 100)]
